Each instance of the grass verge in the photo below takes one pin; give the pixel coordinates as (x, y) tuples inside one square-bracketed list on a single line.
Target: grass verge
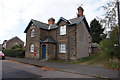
[(99, 60)]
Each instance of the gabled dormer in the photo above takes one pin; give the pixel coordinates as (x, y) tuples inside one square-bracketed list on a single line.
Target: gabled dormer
[(62, 21)]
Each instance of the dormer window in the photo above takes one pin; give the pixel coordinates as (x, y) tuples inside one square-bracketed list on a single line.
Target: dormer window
[(33, 33), (63, 30)]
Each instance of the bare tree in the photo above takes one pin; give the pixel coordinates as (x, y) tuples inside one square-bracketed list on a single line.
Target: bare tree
[(110, 17)]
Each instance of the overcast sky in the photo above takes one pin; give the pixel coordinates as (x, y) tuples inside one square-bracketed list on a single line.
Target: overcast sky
[(16, 14)]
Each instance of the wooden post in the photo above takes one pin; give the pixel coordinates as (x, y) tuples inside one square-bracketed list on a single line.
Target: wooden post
[(118, 10)]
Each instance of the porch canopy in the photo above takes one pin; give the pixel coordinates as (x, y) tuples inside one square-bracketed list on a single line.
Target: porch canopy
[(48, 40)]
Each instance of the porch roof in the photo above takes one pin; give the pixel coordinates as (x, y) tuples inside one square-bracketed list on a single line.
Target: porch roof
[(48, 40)]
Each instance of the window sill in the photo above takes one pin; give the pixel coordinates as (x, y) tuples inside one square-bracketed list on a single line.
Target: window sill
[(62, 35), (62, 52)]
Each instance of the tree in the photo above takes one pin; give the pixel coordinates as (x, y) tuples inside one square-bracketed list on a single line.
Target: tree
[(110, 17), (109, 46), (96, 31), (109, 21)]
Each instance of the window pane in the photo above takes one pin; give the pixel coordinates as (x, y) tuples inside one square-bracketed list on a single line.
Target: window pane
[(32, 33), (62, 30), (62, 48), (32, 48)]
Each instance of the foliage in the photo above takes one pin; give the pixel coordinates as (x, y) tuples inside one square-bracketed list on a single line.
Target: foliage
[(85, 59), (109, 21), (103, 36), (108, 47), (18, 46), (96, 60), (113, 64), (15, 51), (96, 31)]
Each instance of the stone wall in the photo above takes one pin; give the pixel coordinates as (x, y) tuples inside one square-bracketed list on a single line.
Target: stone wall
[(14, 41), (32, 40), (83, 41), (69, 39)]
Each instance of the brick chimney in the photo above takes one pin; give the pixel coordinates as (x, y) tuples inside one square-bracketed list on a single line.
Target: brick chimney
[(51, 21), (80, 11)]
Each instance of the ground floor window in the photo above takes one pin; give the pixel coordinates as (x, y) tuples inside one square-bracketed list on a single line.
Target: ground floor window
[(62, 48), (32, 48)]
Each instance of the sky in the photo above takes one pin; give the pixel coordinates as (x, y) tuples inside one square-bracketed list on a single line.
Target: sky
[(15, 15)]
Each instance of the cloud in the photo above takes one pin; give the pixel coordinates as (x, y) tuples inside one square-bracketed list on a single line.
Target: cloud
[(16, 14)]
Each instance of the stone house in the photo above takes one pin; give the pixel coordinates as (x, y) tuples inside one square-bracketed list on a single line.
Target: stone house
[(12, 42), (66, 39)]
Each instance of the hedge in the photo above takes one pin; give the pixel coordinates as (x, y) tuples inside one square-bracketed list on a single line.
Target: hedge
[(14, 52)]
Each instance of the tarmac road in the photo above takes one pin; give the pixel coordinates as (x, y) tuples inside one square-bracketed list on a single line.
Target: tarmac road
[(13, 69)]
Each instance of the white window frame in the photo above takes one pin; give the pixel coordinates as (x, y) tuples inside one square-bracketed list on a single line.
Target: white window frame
[(63, 30), (32, 48), (33, 33), (62, 48)]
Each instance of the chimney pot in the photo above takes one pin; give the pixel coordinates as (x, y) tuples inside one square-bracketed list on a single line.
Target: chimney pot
[(80, 11), (51, 21)]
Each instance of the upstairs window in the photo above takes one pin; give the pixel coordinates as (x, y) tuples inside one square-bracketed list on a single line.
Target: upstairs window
[(62, 30), (32, 48), (33, 33), (15, 43), (62, 48)]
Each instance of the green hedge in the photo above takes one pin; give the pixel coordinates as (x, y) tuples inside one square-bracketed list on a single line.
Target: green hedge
[(14, 52)]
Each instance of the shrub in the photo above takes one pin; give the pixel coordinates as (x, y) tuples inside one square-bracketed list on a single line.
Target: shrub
[(108, 47), (14, 52), (21, 53), (18, 46)]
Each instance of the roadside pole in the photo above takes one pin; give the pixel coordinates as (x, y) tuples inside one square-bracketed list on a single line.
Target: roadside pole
[(118, 10)]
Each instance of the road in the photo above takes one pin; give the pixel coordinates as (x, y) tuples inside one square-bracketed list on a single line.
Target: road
[(13, 69), (93, 71)]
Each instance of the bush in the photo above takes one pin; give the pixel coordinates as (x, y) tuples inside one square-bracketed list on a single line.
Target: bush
[(113, 64), (108, 47), (14, 53), (21, 53), (18, 46)]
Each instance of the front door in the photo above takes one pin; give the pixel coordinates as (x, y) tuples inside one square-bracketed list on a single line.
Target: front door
[(43, 52)]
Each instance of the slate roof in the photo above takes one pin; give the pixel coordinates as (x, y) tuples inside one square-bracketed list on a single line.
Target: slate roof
[(74, 21), (78, 21), (61, 18), (53, 26), (40, 25), (14, 38), (95, 45), (48, 40)]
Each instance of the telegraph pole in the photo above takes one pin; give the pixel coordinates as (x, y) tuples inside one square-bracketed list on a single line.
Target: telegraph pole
[(118, 10)]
